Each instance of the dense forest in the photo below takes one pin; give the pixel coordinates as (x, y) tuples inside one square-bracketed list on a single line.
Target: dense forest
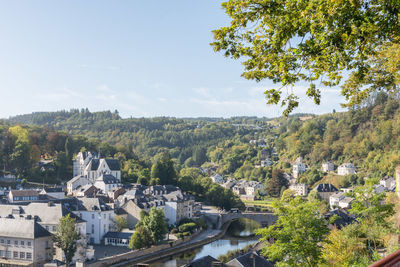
[(366, 135)]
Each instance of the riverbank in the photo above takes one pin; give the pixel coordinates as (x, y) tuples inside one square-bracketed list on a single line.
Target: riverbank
[(161, 251), (205, 237)]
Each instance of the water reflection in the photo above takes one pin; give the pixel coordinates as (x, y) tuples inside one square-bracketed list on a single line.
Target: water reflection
[(239, 235)]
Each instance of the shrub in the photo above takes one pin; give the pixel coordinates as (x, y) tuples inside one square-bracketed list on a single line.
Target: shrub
[(187, 227)]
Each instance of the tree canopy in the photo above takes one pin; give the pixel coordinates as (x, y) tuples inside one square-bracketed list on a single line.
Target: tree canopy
[(66, 236), (298, 232), (310, 41)]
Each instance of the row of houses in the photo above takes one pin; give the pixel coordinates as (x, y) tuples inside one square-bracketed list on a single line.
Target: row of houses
[(95, 197), (246, 190), (344, 169)]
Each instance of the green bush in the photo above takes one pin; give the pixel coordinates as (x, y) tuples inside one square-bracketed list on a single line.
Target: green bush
[(187, 227)]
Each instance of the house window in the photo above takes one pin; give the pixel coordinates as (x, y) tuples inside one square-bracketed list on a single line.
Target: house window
[(22, 255), (1, 241), (15, 254), (29, 243), (93, 216), (28, 255), (8, 254), (105, 216), (54, 228), (1, 253), (92, 228), (22, 243), (16, 242)]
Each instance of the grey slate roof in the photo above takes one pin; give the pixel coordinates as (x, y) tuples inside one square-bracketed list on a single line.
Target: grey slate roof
[(54, 189), (21, 228), (76, 178), (326, 188), (249, 260), (44, 212), (206, 261), (93, 164), (24, 193), (90, 204), (108, 179), (113, 164)]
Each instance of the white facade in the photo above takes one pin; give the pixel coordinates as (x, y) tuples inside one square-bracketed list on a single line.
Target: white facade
[(346, 169), (298, 168), (328, 166), (345, 202), (96, 168), (299, 189), (106, 183), (266, 163), (81, 161), (252, 188), (170, 212), (76, 182), (388, 182), (98, 223), (335, 199), (217, 178)]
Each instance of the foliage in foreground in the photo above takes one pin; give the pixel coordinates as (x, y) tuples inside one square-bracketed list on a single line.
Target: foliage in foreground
[(298, 232), (66, 236), (151, 228), (315, 42)]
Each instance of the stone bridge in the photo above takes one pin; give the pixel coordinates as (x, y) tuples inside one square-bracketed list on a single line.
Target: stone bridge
[(263, 218)]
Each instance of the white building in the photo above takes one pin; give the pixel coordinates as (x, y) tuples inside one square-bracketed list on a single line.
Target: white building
[(75, 182), (82, 160), (107, 182), (298, 168), (15, 196), (388, 182), (98, 167), (335, 198), (266, 162), (48, 215), (120, 239), (328, 166), (299, 189), (252, 187), (98, 215), (346, 169), (23, 242), (217, 178), (345, 203)]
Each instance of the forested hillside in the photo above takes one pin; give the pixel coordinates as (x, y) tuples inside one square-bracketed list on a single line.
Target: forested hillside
[(367, 136), (181, 138)]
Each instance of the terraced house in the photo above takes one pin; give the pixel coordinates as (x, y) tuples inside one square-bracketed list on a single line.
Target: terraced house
[(24, 242)]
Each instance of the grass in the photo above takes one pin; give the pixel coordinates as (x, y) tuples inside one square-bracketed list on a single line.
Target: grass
[(330, 179), (260, 203)]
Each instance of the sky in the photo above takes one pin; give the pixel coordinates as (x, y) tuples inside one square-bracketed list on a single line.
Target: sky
[(143, 58)]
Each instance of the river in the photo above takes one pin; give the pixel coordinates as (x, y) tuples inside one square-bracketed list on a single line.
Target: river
[(238, 235)]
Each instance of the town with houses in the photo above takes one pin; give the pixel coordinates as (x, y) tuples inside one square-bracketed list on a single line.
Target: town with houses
[(95, 196)]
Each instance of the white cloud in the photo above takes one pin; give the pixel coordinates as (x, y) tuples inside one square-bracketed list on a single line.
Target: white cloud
[(202, 91), (104, 88)]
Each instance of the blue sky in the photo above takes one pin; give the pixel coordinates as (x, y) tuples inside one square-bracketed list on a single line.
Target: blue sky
[(144, 58)]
